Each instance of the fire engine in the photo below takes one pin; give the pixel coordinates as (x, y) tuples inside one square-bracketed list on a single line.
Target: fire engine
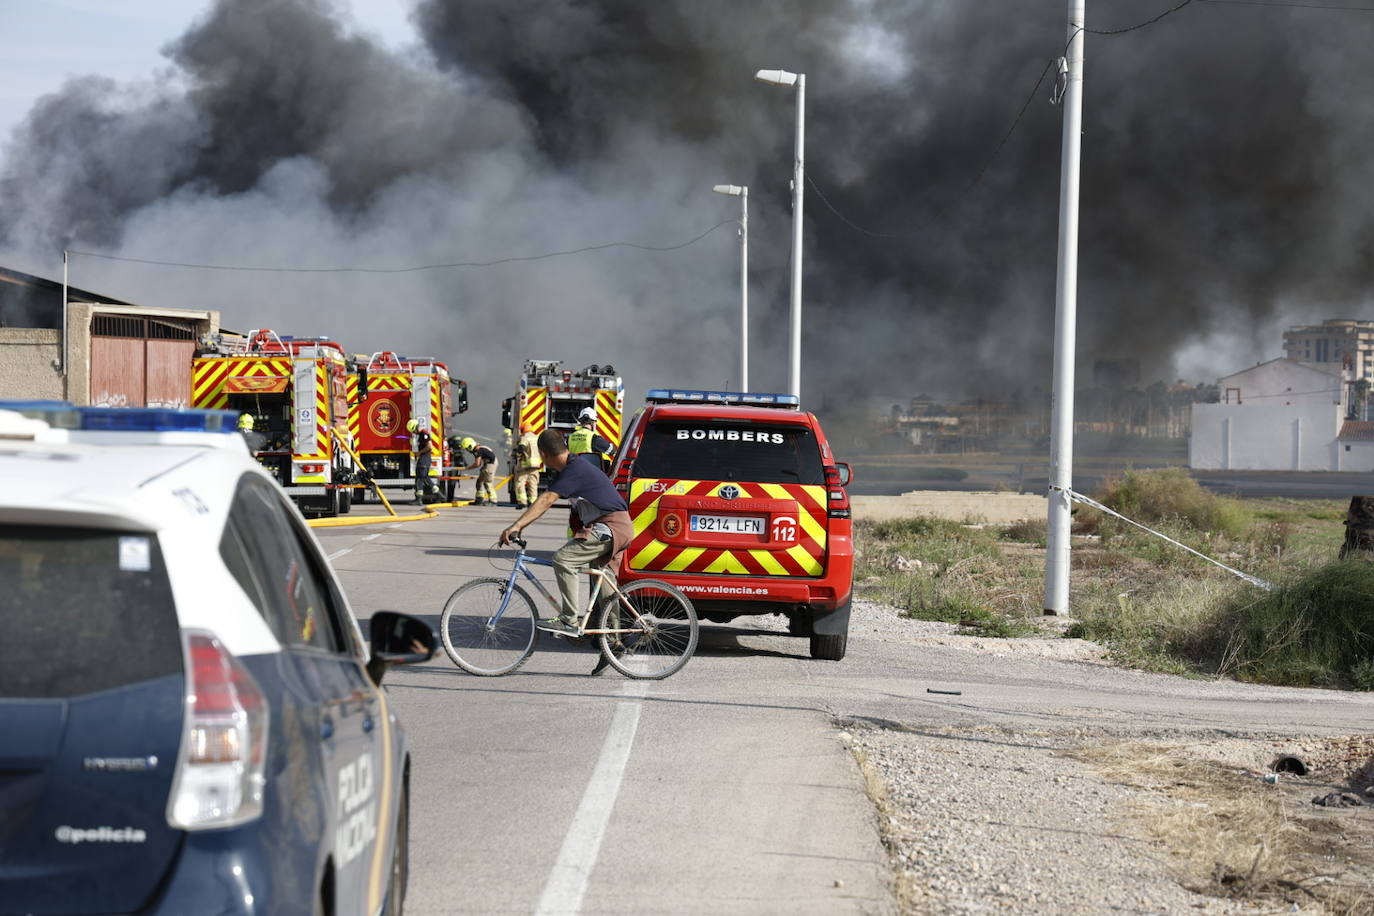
[(294, 388), (384, 392), (549, 396)]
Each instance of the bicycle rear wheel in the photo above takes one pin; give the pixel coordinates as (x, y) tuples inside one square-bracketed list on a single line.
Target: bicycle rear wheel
[(477, 639), (665, 635)]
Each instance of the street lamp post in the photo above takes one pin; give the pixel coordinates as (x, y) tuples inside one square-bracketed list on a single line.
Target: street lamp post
[(785, 78), (742, 192)]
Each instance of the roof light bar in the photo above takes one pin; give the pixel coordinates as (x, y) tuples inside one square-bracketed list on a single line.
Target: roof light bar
[(62, 415), (745, 398)]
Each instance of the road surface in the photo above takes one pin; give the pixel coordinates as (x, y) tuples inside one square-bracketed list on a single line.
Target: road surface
[(727, 788)]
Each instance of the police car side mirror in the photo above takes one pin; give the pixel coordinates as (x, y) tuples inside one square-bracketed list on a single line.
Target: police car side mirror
[(846, 473), (398, 639)]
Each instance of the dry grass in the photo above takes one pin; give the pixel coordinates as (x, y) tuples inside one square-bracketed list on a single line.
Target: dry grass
[(903, 883), (1227, 834)]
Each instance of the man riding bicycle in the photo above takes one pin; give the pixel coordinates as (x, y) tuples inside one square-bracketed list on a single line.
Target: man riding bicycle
[(600, 522)]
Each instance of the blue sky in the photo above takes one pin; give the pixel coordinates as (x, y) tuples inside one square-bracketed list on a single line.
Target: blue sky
[(48, 41)]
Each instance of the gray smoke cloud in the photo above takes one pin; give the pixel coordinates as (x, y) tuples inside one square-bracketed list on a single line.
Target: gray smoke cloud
[(1225, 185)]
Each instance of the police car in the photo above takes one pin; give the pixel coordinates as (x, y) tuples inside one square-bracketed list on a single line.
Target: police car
[(737, 499), (190, 721)]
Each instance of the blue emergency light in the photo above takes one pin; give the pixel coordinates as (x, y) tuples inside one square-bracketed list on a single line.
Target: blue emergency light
[(63, 415), (745, 398)]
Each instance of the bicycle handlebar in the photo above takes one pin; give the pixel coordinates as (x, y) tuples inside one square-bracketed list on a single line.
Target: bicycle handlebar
[(518, 541)]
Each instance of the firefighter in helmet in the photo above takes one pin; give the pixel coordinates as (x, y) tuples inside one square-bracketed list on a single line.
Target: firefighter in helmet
[(422, 445), (584, 439), (484, 461), (255, 441), (527, 465)]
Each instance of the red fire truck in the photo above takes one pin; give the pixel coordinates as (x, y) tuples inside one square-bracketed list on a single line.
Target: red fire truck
[(385, 391), (294, 388)]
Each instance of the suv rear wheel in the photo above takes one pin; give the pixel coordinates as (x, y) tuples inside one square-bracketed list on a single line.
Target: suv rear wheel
[(829, 648)]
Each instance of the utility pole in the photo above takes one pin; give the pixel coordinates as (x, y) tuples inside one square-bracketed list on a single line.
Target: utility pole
[(1065, 321)]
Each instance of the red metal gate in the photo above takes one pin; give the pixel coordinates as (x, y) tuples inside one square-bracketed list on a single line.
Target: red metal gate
[(140, 362)]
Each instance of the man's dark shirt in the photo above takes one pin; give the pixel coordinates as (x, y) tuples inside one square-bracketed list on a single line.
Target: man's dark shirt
[(592, 498), (484, 455), (424, 446)]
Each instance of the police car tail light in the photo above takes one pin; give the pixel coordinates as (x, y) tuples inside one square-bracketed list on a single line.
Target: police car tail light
[(220, 770), (835, 491)]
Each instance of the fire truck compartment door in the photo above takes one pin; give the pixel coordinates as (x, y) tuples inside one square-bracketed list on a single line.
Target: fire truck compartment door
[(419, 401), (304, 408)]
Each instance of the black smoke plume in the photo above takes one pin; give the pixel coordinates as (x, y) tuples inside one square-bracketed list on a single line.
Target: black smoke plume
[(1225, 184)]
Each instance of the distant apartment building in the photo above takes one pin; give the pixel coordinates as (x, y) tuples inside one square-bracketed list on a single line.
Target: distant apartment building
[(1331, 342)]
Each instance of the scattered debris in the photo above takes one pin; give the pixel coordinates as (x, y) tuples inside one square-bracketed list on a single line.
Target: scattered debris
[(1338, 800), (950, 693)]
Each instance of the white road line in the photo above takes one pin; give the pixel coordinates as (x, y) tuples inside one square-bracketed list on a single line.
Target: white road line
[(371, 536), (338, 553), (567, 883)]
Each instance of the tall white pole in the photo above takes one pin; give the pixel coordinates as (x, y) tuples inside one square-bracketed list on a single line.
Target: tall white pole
[(798, 183), (1065, 320), (744, 289), (64, 321)]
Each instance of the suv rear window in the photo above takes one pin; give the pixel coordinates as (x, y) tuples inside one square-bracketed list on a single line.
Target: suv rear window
[(83, 610), (722, 450)]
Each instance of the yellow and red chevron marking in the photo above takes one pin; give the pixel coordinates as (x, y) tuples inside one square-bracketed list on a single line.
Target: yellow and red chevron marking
[(436, 425), (804, 558), (355, 418), (208, 375), (399, 382), (608, 416), (534, 413)]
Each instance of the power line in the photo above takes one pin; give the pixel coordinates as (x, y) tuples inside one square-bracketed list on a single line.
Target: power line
[(1139, 25), (1301, 6), (996, 150), (405, 270)]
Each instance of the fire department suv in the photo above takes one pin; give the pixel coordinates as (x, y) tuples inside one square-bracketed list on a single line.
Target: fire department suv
[(191, 720), (738, 501), (295, 390), (385, 391), (550, 396)]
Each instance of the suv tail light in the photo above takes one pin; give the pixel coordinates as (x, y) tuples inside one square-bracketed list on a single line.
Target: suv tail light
[(835, 493), (621, 481), (220, 768)]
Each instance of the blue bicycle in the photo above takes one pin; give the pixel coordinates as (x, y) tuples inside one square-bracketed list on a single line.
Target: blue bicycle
[(646, 629)]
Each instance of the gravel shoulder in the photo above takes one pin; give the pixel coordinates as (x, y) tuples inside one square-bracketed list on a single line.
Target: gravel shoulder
[(1026, 792)]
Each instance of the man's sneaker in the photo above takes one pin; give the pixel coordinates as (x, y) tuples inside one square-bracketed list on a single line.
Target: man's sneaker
[(558, 626)]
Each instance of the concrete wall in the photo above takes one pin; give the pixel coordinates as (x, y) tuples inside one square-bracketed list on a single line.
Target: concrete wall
[(1265, 437), (1282, 382), (27, 357), (1360, 456)]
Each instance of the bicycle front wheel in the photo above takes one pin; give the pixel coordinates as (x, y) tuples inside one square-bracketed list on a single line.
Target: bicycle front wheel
[(479, 636), (660, 641)]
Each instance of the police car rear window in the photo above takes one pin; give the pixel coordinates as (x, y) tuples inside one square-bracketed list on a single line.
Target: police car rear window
[(83, 611), (726, 451)]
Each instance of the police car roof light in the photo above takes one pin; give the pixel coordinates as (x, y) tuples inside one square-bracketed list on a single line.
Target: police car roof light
[(743, 398), (157, 419), (63, 415)]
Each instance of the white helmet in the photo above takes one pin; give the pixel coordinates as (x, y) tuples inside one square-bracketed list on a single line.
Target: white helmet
[(586, 415)]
